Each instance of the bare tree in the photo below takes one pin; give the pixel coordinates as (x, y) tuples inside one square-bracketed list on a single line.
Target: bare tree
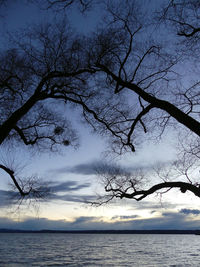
[(50, 66), (149, 71), (124, 78)]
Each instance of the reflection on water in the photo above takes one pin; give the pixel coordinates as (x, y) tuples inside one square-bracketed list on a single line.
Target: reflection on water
[(99, 250)]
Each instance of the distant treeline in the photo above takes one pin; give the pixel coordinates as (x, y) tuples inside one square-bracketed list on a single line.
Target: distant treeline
[(197, 232)]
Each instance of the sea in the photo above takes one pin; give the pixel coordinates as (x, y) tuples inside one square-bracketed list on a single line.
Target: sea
[(56, 249)]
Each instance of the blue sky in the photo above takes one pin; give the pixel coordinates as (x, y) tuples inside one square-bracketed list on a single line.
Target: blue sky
[(71, 174)]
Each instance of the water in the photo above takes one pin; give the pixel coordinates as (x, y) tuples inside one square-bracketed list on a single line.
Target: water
[(18, 250)]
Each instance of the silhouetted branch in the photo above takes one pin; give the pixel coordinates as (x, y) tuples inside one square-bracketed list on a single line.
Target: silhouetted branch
[(172, 110), (12, 176), (64, 4), (139, 195)]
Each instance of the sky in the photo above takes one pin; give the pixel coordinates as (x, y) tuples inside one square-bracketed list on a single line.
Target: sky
[(71, 175)]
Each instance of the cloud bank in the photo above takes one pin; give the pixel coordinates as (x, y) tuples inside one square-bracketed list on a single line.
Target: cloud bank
[(168, 220)]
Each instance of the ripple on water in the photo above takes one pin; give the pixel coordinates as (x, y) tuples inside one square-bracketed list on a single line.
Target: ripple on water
[(98, 250)]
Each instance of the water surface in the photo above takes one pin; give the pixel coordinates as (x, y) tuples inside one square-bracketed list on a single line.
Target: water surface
[(20, 249)]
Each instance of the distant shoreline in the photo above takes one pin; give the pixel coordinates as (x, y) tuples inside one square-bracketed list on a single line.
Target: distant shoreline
[(194, 232)]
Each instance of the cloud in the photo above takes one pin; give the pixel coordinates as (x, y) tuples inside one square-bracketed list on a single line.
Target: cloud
[(124, 217), (168, 220), (69, 192), (190, 211), (84, 169), (64, 191), (98, 167), (151, 205), (32, 224), (93, 168), (79, 223), (73, 198), (84, 220), (67, 186), (8, 198)]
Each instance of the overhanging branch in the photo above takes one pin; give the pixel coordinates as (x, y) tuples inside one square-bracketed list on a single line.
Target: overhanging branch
[(140, 194), (166, 106), (12, 176)]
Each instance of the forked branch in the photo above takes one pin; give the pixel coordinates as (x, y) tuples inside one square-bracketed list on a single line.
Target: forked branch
[(12, 176), (138, 195), (30, 187), (141, 194)]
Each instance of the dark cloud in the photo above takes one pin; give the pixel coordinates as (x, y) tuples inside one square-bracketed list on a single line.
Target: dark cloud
[(73, 198), (84, 220), (168, 220), (79, 223), (67, 186), (99, 167), (92, 168), (190, 211), (32, 224), (69, 192), (64, 191), (8, 198), (84, 169)]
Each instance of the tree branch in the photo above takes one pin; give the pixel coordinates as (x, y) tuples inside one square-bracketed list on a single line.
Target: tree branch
[(38, 95), (11, 174), (172, 110), (138, 119), (139, 195)]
